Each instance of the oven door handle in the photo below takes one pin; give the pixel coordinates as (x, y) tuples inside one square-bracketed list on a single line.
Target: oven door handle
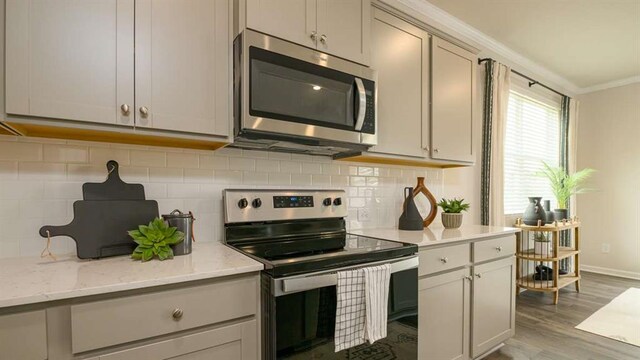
[(310, 282), (362, 106)]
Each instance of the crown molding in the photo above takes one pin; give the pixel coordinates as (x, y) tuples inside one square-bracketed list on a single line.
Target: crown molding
[(610, 84), (436, 16)]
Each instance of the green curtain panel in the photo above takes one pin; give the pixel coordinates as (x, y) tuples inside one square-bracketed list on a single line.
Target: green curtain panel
[(565, 236), (485, 184)]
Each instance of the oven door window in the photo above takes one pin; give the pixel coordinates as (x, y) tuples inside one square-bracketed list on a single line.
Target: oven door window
[(289, 89), (305, 324)]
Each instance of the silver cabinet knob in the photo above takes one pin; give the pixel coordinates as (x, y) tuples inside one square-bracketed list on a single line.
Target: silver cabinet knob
[(426, 148), (469, 278), (499, 248), (478, 275), (435, 150), (323, 39), (314, 36), (177, 314), (144, 111), (125, 109), (444, 260)]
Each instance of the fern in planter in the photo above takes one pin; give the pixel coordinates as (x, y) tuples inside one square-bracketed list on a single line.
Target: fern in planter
[(564, 185), (155, 239)]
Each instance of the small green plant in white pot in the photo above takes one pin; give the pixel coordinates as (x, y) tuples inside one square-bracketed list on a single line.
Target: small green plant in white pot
[(452, 212), (542, 244)]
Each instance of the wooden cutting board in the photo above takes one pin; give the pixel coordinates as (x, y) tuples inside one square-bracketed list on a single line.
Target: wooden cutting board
[(100, 227)]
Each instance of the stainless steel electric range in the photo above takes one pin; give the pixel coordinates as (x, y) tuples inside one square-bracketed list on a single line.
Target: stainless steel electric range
[(300, 236)]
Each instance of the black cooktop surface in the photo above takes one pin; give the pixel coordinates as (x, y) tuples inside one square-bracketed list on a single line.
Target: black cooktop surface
[(302, 255)]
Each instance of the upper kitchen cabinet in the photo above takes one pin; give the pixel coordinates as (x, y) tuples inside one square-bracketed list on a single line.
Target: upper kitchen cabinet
[(336, 27), (182, 58), (400, 53), (70, 59), (453, 98), (161, 68)]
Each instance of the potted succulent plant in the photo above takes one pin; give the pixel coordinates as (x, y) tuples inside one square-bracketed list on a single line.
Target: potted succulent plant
[(564, 186), (154, 240), (452, 212)]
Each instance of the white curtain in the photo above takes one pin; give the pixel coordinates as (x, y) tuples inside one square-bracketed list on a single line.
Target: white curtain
[(498, 83)]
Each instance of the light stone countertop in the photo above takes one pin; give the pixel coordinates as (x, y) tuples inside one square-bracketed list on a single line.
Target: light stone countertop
[(435, 235), (29, 280)]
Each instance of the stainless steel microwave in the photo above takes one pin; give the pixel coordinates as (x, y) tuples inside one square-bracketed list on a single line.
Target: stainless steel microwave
[(291, 98)]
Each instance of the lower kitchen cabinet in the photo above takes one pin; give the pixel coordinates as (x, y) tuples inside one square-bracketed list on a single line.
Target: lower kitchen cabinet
[(493, 305), (466, 311), (233, 342), (444, 317), (207, 319), (16, 328)]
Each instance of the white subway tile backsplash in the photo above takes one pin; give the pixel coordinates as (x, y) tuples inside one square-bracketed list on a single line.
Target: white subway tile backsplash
[(267, 165), (182, 160), (198, 176), (292, 167), (148, 158), (244, 164), (311, 168), (166, 175), (228, 177), (8, 170), (41, 179), (19, 151), (300, 180), (100, 156), (279, 179), (66, 153), (214, 162)]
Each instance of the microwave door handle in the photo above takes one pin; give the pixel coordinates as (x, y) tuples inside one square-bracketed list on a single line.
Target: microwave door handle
[(362, 106)]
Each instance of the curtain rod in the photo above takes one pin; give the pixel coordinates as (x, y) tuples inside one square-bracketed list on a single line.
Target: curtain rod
[(531, 81)]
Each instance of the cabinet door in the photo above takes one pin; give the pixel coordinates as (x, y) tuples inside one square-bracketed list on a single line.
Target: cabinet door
[(344, 27), (70, 59), (493, 305), (443, 320), (182, 65), (400, 53), (293, 20), (233, 342), (453, 92)]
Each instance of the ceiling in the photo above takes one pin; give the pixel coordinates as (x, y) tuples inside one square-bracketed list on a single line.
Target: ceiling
[(587, 42)]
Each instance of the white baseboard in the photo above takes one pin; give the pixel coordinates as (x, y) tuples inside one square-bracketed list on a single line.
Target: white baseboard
[(612, 272)]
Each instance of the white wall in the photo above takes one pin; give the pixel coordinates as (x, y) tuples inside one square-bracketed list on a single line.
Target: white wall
[(609, 141), (41, 178)]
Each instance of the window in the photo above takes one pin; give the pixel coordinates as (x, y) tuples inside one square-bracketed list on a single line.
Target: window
[(532, 136)]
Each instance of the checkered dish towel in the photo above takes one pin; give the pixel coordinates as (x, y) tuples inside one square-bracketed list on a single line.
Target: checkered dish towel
[(361, 312)]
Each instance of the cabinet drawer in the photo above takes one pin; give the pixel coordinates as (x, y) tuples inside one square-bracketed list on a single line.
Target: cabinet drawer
[(444, 258), (494, 248), (104, 323), (18, 330)]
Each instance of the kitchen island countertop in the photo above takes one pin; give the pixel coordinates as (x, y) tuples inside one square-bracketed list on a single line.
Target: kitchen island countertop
[(437, 235), (29, 280)]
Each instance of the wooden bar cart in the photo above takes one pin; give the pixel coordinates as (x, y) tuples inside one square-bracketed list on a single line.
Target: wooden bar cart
[(538, 267)]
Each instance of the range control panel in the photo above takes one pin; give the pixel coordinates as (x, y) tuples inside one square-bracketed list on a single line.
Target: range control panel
[(274, 205), (292, 201)]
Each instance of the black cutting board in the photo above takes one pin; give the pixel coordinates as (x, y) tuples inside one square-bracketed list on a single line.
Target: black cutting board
[(113, 188), (99, 228)]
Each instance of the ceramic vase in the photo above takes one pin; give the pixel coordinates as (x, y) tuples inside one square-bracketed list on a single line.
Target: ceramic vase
[(534, 212)]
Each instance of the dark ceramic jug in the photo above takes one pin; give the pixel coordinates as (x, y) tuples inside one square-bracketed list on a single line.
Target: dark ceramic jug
[(534, 212), (410, 218)]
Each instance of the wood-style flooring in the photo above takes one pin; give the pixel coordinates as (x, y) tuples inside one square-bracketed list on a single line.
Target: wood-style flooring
[(546, 332)]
